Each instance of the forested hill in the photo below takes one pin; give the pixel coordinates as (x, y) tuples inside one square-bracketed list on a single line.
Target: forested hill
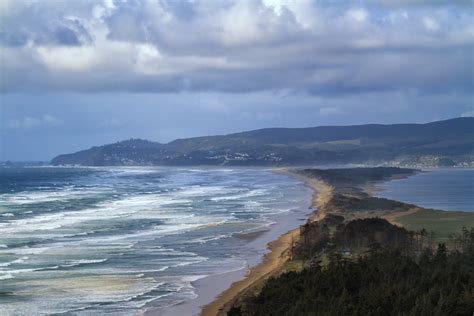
[(449, 142)]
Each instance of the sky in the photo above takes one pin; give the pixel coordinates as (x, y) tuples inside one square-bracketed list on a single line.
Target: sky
[(75, 74)]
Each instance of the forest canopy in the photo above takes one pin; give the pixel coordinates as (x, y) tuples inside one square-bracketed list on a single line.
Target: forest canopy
[(393, 276)]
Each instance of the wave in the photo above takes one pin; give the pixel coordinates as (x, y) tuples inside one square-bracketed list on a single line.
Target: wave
[(206, 239), (72, 264), (82, 262), (23, 250), (138, 238), (252, 193), (6, 276), (20, 260), (37, 197), (200, 190), (127, 171), (144, 206), (10, 274)]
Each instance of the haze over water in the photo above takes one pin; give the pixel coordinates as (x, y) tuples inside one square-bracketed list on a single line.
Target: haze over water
[(111, 240), (444, 189)]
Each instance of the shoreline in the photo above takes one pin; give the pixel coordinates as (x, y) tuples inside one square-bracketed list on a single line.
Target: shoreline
[(214, 290), (271, 263), (278, 254), (274, 261)]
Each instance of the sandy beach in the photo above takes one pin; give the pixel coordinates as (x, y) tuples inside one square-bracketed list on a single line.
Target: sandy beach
[(274, 260)]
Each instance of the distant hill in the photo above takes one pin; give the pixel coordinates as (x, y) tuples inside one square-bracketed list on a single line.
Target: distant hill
[(127, 152), (448, 142)]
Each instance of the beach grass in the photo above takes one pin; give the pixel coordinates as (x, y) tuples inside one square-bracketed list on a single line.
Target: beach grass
[(443, 223)]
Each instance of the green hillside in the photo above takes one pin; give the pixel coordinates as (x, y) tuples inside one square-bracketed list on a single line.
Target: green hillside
[(447, 143)]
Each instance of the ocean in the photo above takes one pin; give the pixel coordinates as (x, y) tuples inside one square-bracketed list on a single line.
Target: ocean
[(443, 189), (110, 241)]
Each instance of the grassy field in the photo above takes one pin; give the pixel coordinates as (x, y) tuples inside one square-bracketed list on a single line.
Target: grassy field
[(443, 223)]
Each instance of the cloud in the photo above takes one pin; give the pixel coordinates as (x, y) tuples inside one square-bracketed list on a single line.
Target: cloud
[(360, 15), (423, 2), (430, 24), (325, 111), (237, 46), (468, 114), (110, 122), (28, 122)]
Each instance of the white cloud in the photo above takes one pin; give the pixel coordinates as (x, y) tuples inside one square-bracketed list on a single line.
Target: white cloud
[(430, 24), (49, 120), (237, 46), (398, 3), (468, 114), (360, 15), (80, 58), (29, 122), (239, 25)]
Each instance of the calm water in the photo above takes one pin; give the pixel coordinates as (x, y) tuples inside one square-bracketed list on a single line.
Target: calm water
[(444, 189), (110, 240)]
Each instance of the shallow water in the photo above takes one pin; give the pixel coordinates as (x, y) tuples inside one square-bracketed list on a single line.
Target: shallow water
[(444, 189), (110, 240)]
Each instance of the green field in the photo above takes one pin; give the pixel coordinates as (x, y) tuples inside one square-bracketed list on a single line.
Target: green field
[(443, 223)]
